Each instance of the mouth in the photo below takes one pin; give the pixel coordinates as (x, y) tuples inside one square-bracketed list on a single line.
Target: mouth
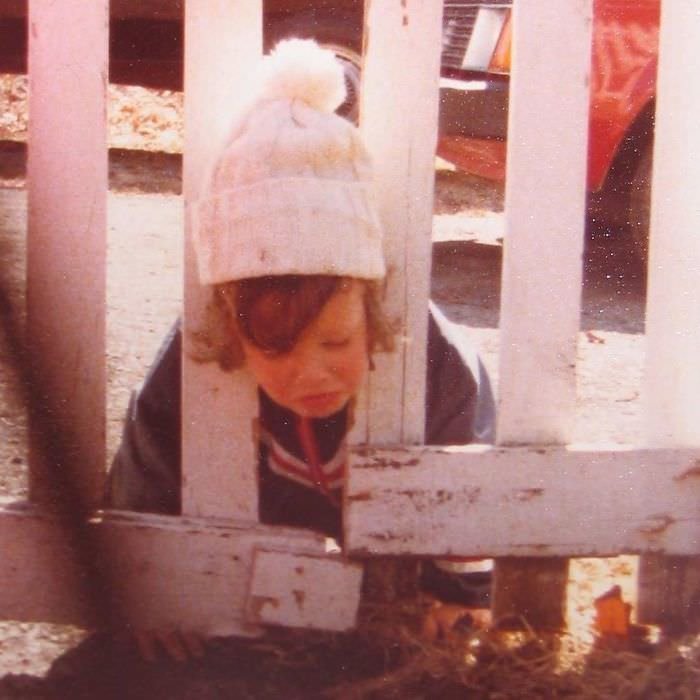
[(320, 402)]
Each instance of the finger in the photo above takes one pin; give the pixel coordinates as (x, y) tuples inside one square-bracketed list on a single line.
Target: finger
[(482, 618), (430, 629), (449, 614)]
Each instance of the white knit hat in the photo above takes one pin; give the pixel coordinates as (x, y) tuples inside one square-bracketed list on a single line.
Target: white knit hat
[(291, 192)]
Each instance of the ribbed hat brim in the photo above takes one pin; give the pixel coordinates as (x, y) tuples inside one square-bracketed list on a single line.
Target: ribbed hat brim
[(328, 226)]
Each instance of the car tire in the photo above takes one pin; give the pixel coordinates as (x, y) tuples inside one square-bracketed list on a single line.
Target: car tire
[(639, 213), (351, 62), (342, 35)]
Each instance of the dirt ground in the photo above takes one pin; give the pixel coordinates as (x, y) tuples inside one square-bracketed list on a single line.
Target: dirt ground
[(144, 294)]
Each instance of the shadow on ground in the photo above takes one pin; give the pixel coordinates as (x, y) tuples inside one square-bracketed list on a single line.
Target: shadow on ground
[(614, 285)]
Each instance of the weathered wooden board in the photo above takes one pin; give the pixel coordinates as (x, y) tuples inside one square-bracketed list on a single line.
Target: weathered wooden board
[(196, 574), (298, 590), (165, 572), (223, 42), (66, 236), (557, 501), (398, 119)]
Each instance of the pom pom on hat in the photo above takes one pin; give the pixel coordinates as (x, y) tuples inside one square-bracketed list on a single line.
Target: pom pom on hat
[(291, 192), (299, 69)]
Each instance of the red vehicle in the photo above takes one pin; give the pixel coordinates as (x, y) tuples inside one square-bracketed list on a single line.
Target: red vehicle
[(623, 86)]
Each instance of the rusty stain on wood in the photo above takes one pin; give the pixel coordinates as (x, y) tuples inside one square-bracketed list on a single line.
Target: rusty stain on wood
[(362, 496), (411, 493), (528, 494), (689, 473), (443, 496), (472, 495), (423, 498), (299, 597), (382, 536), (258, 602), (657, 525), (540, 547), (375, 459)]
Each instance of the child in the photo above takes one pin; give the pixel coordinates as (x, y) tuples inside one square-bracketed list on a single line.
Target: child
[(288, 240)]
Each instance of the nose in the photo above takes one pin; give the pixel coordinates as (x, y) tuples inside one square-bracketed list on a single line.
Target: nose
[(309, 366)]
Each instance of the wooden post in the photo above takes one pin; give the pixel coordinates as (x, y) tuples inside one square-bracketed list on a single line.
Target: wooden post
[(66, 247), (545, 207), (669, 588), (219, 457)]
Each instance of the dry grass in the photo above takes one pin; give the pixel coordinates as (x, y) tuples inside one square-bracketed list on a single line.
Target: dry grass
[(387, 658), (138, 118)]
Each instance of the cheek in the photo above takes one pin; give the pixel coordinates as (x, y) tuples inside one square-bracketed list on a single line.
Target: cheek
[(267, 374), (354, 369)]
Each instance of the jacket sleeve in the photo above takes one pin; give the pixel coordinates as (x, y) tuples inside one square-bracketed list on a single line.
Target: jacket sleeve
[(460, 406), (145, 473)]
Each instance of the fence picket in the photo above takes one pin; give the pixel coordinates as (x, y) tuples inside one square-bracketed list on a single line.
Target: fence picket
[(545, 217), (66, 237), (672, 381), (223, 40), (399, 125)]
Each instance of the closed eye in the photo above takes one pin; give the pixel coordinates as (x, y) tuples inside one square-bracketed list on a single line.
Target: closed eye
[(272, 353), (336, 344)]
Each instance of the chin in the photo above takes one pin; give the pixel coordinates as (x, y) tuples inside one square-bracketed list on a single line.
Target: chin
[(320, 406)]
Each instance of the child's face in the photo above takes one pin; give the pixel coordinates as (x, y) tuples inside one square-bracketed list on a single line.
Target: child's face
[(326, 366)]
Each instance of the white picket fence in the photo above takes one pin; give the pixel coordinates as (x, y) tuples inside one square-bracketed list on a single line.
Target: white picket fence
[(216, 569)]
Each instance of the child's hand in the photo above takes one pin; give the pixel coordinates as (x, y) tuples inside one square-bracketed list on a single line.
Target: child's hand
[(442, 618), (179, 645)]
